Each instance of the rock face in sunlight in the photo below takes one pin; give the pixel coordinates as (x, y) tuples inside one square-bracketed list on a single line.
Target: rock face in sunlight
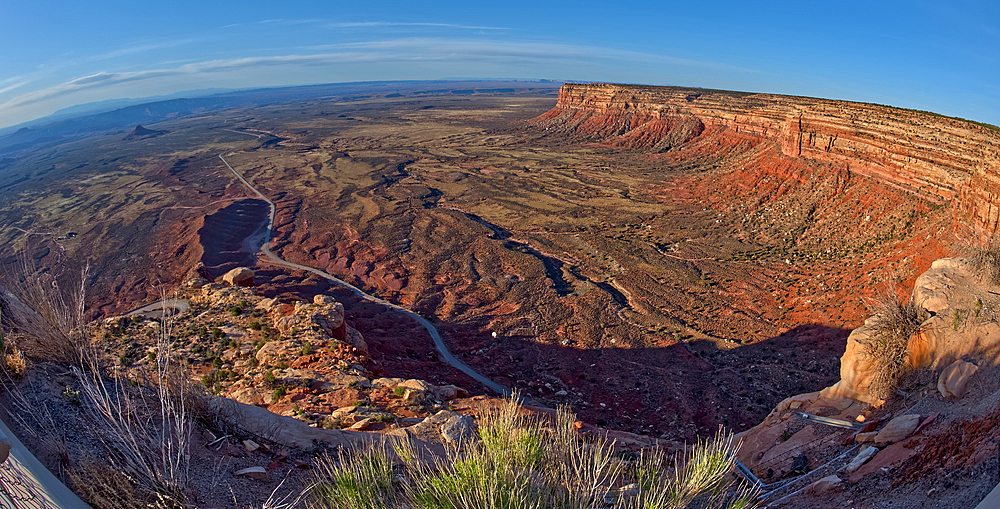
[(935, 157), (960, 323)]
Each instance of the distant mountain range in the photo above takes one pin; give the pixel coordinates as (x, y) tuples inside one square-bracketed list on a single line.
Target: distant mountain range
[(85, 119)]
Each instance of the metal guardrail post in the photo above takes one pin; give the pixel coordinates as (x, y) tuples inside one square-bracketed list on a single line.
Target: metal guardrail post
[(830, 422), (25, 482), (747, 474)]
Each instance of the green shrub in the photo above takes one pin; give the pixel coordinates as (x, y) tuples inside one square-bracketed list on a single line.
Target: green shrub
[(513, 463), (279, 393), (363, 479)]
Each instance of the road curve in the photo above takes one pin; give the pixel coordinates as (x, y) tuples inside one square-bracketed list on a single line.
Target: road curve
[(162, 308), (438, 342)]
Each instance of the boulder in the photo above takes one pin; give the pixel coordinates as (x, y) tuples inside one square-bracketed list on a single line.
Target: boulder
[(385, 383), (268, 304), (413, 397), (240, 276), (449, 392), (457, 429), (270, 353), (360, 425), (866, 454), (954, 379), (251, 395), (936, 289), (201, 270), (416, 385), (344, 410), (898, 429), (283, 430), (866, 437), (429, 429), (355, 339), (824, 485)]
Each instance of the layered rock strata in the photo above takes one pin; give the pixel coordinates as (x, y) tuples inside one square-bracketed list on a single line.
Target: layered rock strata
[(937, 158)]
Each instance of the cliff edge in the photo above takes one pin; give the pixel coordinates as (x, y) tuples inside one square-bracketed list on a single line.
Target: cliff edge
[(937, 158), (933, 437)]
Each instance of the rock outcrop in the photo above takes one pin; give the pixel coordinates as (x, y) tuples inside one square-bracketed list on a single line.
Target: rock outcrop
[(240, 276), (960, 323), (937, 158), (141, 132), (957, 342)]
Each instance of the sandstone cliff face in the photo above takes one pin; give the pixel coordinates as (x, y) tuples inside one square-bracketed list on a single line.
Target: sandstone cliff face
[(937, 158)]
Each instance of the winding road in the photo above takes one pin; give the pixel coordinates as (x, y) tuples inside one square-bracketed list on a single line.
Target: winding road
[(438, 342)]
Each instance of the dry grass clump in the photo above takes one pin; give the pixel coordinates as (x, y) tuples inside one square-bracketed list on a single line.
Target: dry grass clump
[(104, 486), (145, 424), (142, 423), (12, 359), (985, 259), (890, 331), (515, 463), (44, 313)]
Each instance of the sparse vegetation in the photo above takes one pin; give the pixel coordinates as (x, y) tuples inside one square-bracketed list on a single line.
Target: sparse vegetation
[(890, 331), (142, 422), (514, 463), (985, 260)]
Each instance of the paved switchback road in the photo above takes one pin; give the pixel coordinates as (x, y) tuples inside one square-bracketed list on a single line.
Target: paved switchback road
[(438, 342)]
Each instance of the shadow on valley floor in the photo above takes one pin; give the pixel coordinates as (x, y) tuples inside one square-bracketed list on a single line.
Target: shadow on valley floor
[(225, 233), (677, 391)]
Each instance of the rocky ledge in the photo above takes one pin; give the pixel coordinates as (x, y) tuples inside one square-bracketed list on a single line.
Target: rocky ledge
[(295, 359), (934, 434)]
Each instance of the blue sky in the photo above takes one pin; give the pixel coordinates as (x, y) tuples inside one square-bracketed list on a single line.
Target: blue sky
[(942, 56)]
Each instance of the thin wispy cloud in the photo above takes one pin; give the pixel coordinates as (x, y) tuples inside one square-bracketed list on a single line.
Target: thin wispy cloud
[(142, 48), (409, 53), (376, 24), (8, 88), (280, 21)]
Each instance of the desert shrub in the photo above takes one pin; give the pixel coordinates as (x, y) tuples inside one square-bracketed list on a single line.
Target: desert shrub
[(104, 487), (893, 323), (362, 479), (144, 423), (985, 259), (46, 311), (515, 463), (279, 393)]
